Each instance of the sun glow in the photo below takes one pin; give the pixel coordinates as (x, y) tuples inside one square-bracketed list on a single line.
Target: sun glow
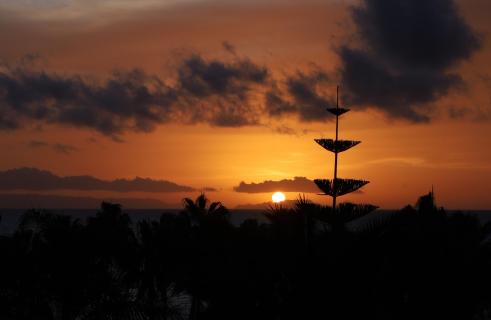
[(278, 197)]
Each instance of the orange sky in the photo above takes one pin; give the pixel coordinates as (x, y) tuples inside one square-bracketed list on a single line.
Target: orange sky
[(402, 160)]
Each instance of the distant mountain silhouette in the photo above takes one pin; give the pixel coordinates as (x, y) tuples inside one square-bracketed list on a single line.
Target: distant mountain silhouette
[(27, 201), (36, 179)]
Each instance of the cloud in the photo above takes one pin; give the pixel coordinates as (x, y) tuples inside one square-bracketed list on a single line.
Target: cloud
[(203, 78), (37, 180), (297, 184), (402, 62), (206, 91), (37, 144), (302, 96), (218, 93), (286, 130), (126, 101), (406, 54), (214, 92), (86, 11), (57, 147), (64, 148), (229, 47)]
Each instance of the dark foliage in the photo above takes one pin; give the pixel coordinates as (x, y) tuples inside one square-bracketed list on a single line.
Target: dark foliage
[(309, 262), (338, 186)]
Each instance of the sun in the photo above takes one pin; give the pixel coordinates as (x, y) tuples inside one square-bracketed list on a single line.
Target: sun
[(278, 197)]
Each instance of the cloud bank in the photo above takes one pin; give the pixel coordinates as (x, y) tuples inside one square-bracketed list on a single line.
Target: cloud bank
[(213, 92), (302, 97), (405, 55), (219, 93), (297, 184), (40, 180), (401, 60)]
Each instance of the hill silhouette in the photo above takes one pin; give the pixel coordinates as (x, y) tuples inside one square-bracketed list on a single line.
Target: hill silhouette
[(36, 179)]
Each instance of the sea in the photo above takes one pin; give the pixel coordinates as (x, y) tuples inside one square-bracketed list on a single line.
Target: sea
[(10, 218)]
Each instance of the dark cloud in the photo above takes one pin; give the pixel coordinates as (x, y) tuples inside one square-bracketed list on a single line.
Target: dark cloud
[(302, 96), (297, 184), (283, 129), (458, 112), (230, 48), (218, 93), (8, 121), (402, 62), (64, 148), (57, 147), (211, 92), (37, 144), (40, 180), (203, 78), (401, 95), (407, 51), (126, 101)]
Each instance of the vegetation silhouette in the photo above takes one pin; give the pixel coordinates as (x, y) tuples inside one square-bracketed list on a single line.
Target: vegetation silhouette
[(308, 262)]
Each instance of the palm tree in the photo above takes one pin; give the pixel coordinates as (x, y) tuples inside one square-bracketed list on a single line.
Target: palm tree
[(305, 215), (111, 252), (198, 211), (209, 224), (159, 267), (49, 248)]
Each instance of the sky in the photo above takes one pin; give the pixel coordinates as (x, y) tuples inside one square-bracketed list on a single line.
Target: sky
[(227, 97)]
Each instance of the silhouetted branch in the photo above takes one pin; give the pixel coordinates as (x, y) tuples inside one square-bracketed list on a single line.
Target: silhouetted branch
[(336, 146), (339, 186)]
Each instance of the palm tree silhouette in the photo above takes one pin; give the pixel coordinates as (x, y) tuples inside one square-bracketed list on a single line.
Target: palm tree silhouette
[(198, 210), (208, 224), (159, 267), (421, 262)]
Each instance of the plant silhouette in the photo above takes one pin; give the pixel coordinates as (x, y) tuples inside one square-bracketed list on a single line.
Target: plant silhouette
[(307, 262)]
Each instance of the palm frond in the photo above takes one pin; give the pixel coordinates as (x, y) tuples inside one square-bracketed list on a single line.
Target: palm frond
[(188, 203), (277, 213), (201, 201), (214, 206), (378, 224), (302, 202)]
